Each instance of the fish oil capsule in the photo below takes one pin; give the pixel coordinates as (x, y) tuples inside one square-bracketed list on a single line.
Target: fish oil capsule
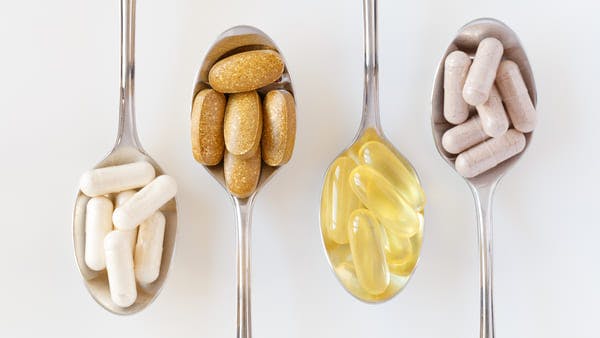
[(490, 153), (243, 124), (242, 174), (406, 265), (246, 71), (516, 97), (208, 111), (398, 248), (381, 198), (381, 158), (366, 244), (119, 267), (338, 200), (483, 71), (456, 67), (144, 203), (117, 178), (492, 114), (98, 224), (121, 198), (459, 138), (149, 247), (279, 127)]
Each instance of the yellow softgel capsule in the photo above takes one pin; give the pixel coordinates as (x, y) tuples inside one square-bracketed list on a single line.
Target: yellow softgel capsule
[(366, 240), (405, 266)]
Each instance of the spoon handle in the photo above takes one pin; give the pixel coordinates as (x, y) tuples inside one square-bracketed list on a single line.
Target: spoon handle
[(370, 114), (483, 199), (243, 212)]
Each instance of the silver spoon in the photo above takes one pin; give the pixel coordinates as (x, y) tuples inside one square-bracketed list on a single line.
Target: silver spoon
[(127, 149), (235, 40), (484, 185)]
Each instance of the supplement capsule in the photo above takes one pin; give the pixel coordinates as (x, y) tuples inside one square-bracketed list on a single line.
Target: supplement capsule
[(516, 97), (149, 247), (404, 267), (144, 203), (366, 244), (490, 153), (246, 71), (459, 138), (456, 67), (119, 266), (243, 124), (279, 127), (98, 224), (241, 174), (483, 71), (117, 178), (492, 114), (208, 111), (121, 198)]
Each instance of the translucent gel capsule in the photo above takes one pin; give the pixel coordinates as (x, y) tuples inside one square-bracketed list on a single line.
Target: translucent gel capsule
[(380, 157), (367, 246), (406, 266), (398, 249)]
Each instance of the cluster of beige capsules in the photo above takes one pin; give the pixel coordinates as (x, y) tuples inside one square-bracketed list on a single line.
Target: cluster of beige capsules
[(497, 90), (233, 124)]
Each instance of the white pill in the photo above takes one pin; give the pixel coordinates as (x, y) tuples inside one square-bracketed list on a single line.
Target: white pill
[(117, 178), (121, 198), (149, 247), (119, 266), (464, 136), (456, 67), (516, 97), (98, 224), (145, 202), (492, 114), (483, 71), (490, 153)]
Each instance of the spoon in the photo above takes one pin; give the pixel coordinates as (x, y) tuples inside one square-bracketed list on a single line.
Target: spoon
[(377, 269), (127, 149), (483, 185), (235, 40)]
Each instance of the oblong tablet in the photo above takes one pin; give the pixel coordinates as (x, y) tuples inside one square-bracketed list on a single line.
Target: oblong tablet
[(243, 124), (279, 127), (242, 174), (246, 71), (208, 111)]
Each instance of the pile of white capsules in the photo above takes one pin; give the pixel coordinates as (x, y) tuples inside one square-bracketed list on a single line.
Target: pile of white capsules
[(497, 90), (133, 250)]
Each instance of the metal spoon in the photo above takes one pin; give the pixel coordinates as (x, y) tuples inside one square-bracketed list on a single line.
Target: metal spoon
[(235, 40), (484, 185), (127, 149)]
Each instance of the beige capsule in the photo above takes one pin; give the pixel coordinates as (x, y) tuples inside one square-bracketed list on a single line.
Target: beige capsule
[(464, 136), (246, 71), (279, 127), (492, 114), (243, 124), (242, 174), (516, 96), (456, 67), (483, 71), (208, 111)]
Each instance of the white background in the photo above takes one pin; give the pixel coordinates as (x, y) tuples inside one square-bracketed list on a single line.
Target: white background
[(59, 73)]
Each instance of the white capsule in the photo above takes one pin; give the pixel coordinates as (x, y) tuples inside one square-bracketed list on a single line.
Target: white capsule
[(464, 136), (516, 97), (149, 247), (490, 153), (121, 198), (483, 71), (493, 116), (117, 178), (144, 203), (456, 67), (119, 266), (98, 224)]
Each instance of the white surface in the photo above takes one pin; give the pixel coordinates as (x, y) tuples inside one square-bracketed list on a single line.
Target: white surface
[(58, 100)]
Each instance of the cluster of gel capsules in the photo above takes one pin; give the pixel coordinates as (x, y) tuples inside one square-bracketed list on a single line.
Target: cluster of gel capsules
[(372, 218), (127, 240), (239, 120), (504, 109)]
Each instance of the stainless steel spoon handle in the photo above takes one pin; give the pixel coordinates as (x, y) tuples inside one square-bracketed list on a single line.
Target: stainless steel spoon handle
[(370, 115), (243, 212)]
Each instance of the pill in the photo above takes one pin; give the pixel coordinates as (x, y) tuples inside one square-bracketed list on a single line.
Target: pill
[(398, 248), (149, 247), (119, 267), (367, 247), (338, 200), (241, 174), (378, 156), (120, 199), (380, 197), (243, 124), (490, 153), (516, 97), (208, 111), (456, 67), (403, 265), (246, 71), (144, 203), (98, 224), (279, 127), (483, 71), (118, 178), (462, 137), (492, 114)]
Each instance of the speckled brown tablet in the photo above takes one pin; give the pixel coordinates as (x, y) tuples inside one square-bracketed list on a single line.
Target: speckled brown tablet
[(208, 111), (246, 71), (279, 127), (241, 175), (243, 123)]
